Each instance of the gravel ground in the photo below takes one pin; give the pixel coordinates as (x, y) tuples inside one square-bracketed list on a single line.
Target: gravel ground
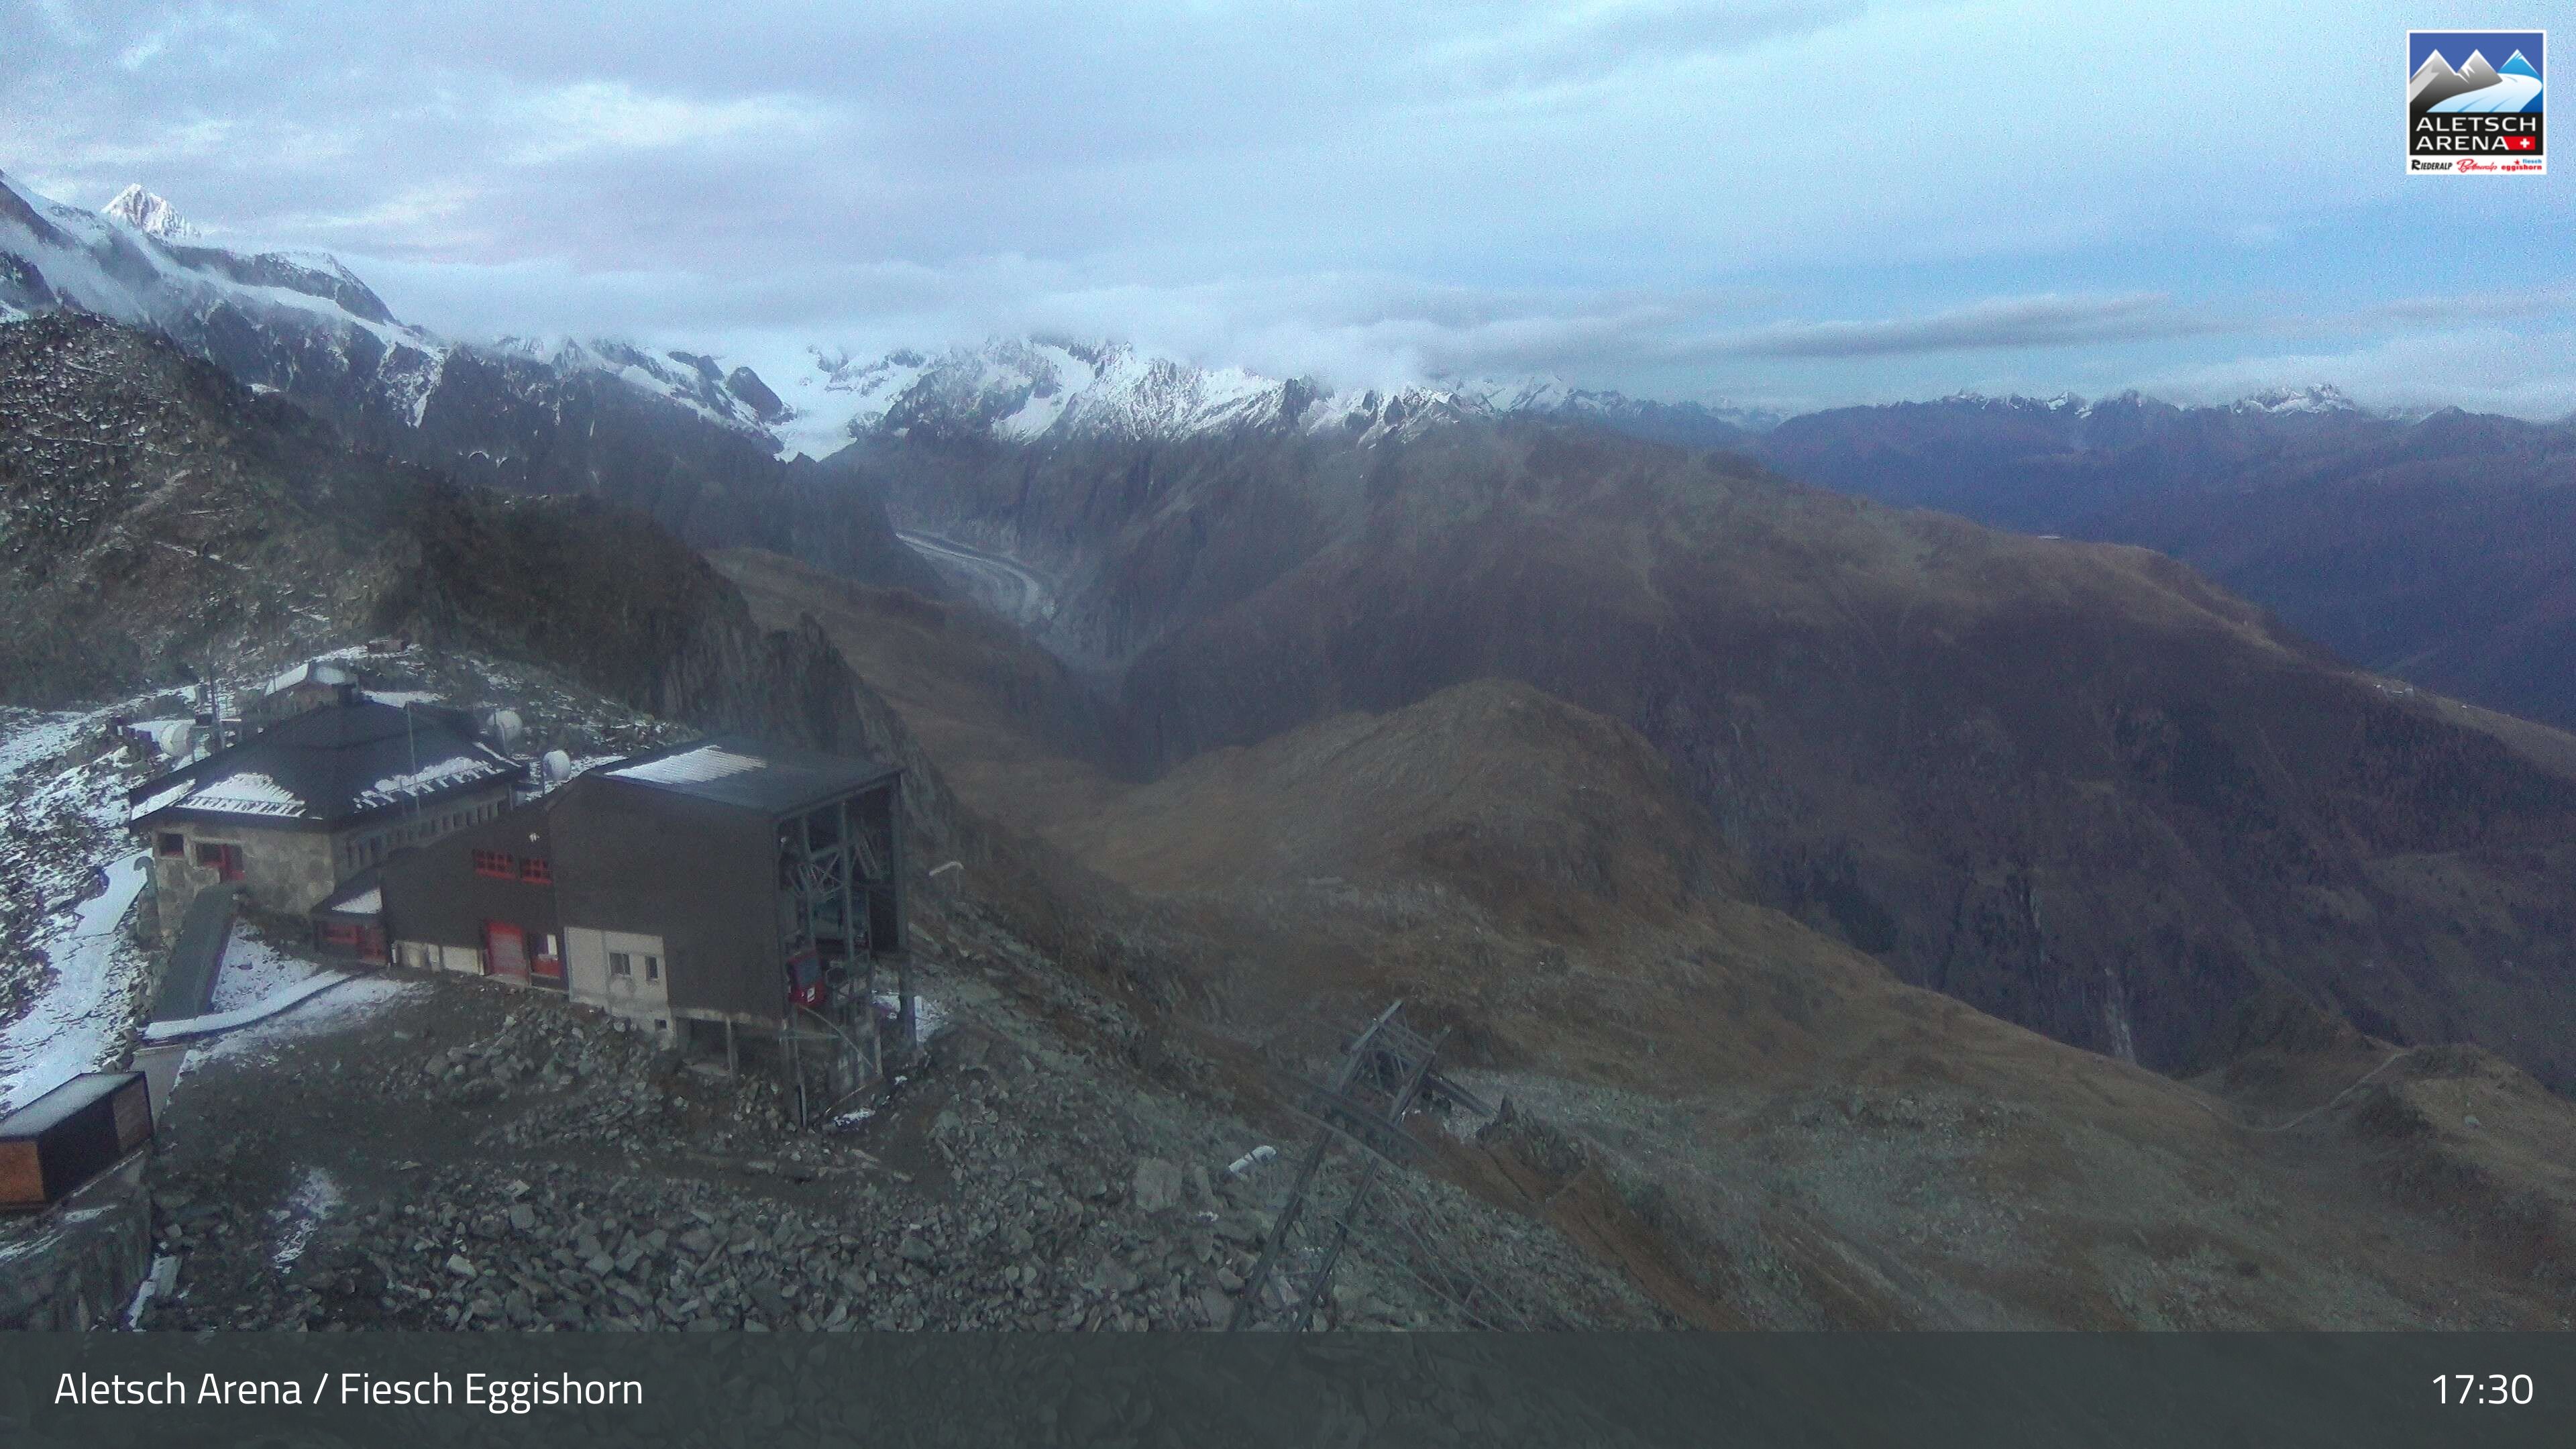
[(417, 1152)]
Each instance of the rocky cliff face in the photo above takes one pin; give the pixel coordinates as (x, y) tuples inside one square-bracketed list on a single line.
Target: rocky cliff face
[(620, 605)]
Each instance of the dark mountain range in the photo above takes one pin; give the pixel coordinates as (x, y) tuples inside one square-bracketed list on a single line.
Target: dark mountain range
[(1693, 1074), (1748, 1119), (2073, 785), (669, 434), (2078, 788), (2435, 550)]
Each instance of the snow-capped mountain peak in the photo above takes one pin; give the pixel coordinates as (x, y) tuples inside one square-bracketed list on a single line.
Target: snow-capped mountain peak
[(150, 215), (1041, 390), (2319, 397)]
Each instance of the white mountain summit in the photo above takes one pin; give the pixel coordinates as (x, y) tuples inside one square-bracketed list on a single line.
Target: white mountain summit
[(150, 215)]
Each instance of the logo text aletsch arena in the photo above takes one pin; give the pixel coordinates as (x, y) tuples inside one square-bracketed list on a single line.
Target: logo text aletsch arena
[(2473, 103)]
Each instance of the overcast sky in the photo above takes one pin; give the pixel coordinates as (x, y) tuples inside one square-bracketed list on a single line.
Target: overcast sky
[(1779, 201)]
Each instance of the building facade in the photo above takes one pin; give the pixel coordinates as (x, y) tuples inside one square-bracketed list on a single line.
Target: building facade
[(295, 811), (717, 885)]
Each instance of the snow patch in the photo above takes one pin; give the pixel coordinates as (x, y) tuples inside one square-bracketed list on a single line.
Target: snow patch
[(80, 1017), (149, 214), (337, 1007), (928, 1013), (456, 770), (161, 799), (249, 792), (252, 970), (316, 1195), (216, 1022), (690, 767)]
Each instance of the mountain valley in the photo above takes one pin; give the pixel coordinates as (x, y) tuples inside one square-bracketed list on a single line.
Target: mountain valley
[(1861, 917)]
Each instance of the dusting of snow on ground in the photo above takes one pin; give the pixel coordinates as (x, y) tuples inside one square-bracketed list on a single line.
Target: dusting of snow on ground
[(80, 1020), (928, 1014), (69, 976), (253, 970), (165, 1268), (315, 1195), (216, 1022), (329, 1011)]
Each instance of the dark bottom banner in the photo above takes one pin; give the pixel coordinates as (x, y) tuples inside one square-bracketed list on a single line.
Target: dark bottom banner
[(165, 1391)]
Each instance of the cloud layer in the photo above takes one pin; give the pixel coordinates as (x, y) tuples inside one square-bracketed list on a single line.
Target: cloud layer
[(1799, 200)]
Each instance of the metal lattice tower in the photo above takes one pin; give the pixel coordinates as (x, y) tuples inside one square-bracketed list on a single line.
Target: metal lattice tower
[(829, 860), (1385, 1074)]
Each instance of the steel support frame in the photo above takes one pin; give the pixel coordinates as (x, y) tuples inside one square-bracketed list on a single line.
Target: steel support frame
[(1381, 1077), (836, 881)]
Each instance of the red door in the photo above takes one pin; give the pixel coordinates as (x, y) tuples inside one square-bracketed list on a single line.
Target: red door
[(506, 947), (547, 966)]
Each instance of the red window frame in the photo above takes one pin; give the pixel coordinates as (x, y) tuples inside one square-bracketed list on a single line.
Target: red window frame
[(499, 864), (536, 870), (224, 860)]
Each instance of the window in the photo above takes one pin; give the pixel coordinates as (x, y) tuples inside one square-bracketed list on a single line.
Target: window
[(535, 871), (174, 844), (621, 964), (497, 863), (652, 968), (224, 860)]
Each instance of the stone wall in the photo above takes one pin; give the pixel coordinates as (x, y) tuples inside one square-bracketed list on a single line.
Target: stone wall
[(78, 1265), (287, 871), (290, 871)]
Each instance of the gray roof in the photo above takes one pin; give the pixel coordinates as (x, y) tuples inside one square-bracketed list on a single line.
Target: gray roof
[(751, 774), (328, 765), (60, 1103), (362, 894), (197, 957)]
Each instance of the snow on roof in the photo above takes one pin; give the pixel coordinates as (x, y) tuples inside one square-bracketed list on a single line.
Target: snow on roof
[(330, 764), (689, 767), (318, 673), (452, 770), (160, 800), (246, 793), (370, 903)]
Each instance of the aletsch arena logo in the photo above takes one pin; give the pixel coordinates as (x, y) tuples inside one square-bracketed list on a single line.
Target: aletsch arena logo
[(2473, 103)]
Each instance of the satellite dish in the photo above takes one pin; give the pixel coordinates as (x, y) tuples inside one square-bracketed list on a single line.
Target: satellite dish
[(556, 766), (503, 728)]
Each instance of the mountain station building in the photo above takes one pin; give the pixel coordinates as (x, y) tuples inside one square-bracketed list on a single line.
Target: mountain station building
[(703, 891), (294, 812)]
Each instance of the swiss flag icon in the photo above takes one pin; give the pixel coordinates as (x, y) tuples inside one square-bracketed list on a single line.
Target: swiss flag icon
[(2521, 143)]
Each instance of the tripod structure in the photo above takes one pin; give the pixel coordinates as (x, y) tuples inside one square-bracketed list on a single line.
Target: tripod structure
[(1385, 1073)]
